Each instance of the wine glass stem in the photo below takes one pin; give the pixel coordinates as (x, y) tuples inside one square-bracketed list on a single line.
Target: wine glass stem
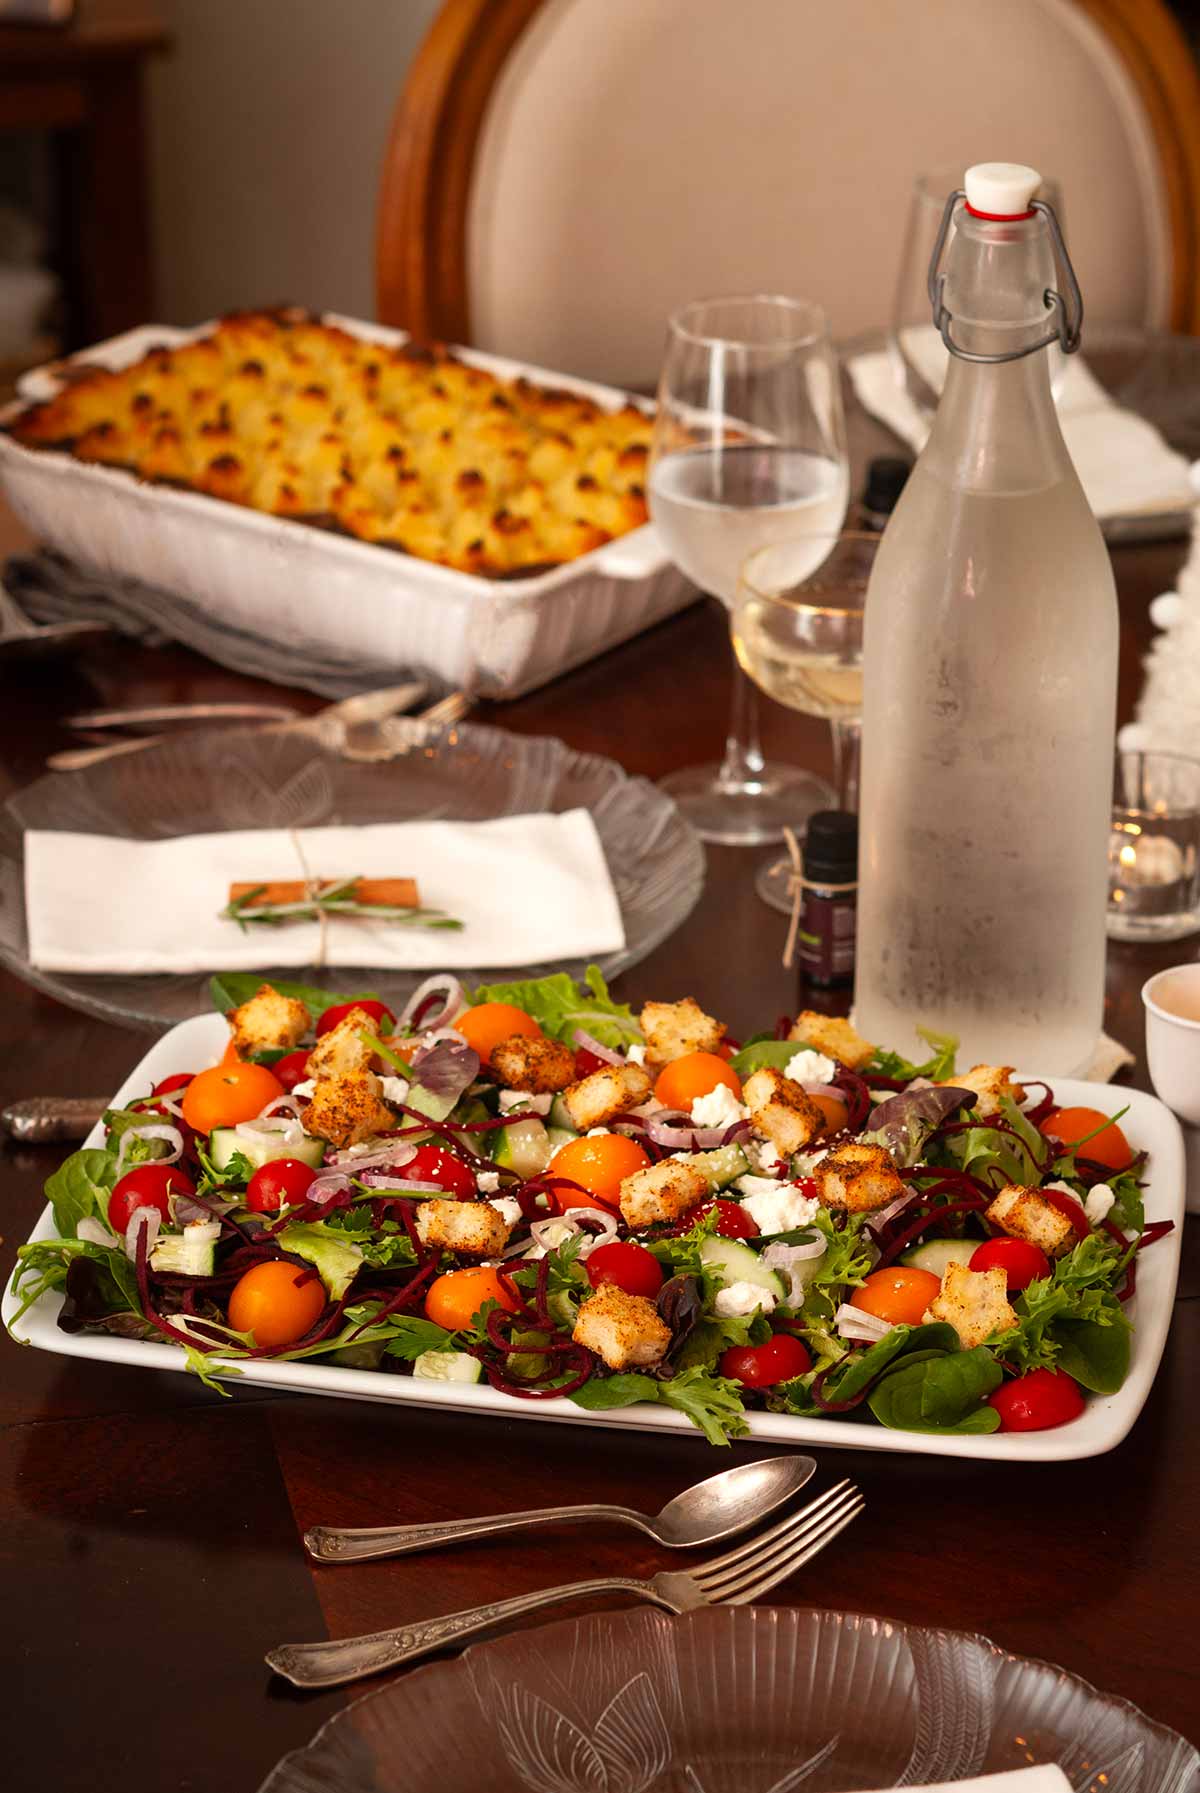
[(847, 734), (743, 765)]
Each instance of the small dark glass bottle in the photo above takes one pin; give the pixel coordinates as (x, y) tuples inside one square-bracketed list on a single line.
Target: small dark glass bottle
[(886, 476), (829, 897)]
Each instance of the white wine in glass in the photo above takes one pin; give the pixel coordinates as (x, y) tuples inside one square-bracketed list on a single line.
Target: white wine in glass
[(749, 448)]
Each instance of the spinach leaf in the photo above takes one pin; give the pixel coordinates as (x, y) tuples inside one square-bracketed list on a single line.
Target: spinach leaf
[(622, 1390), (108, 1286), (1097, 1356), (81, 1187), (230, 989), (776, 1053), (943, 1393), (902, 1341)]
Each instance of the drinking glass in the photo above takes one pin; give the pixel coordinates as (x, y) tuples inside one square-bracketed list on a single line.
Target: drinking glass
[(1154, 847), (918, 354), (749, 448), (798, 633)]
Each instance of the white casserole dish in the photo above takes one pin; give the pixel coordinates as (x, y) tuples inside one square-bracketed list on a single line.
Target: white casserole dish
[(272, 578)]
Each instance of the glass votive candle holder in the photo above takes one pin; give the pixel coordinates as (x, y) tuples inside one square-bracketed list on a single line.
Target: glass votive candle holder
[(1154, 847)]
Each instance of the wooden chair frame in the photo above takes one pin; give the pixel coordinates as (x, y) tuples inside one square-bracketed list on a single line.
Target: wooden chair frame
[(421, 241)]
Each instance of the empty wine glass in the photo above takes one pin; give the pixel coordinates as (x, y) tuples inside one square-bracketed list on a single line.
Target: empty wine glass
[(749, 447), (798, 634)]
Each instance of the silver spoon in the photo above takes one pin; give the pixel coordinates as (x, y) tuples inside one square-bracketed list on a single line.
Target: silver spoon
[(719, 1507)]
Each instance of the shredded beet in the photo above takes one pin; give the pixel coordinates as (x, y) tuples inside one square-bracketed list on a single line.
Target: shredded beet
[(816, 1388), (859, 1100)]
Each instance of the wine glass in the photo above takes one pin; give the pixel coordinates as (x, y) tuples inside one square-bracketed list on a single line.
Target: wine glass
[(917, 353), (798, 634), (749, 447)]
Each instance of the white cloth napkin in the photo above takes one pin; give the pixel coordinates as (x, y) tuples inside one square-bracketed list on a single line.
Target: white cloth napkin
[(1124, 465), (528, 889)]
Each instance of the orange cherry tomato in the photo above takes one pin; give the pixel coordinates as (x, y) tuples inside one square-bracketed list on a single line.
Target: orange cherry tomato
[(228, 1094), (277, 1302), (484, 1026), (230, 1055), (695, 1074), (600, 1164), (834, 1110), (1109, 1145), (454, 1298), (897, 1295)]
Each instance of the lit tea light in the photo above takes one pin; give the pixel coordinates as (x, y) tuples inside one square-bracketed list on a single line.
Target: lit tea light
[(1140, 858)]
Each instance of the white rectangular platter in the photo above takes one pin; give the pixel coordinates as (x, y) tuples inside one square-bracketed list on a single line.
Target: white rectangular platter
[(199, 1042), (345, 601)]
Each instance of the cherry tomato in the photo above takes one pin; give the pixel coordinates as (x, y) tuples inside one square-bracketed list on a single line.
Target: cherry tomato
[(278, 1302), (433, 1164), (379, 1013), (146, 1186), (292, 1068), (762, 1366), (1066, 1204), (281, 1183), (695, 1074), (835, 1111), (733, 1222), (1037, 1401), (180, 1080), (587, 1061), (228, 1094), (485, 1025), (230, 1055), (1109, 1145), (600, 1164), (630, 1266), (1021, 1262), (454, 1298), (898, 1295)]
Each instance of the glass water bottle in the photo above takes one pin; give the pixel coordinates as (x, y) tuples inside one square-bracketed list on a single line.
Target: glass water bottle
[(990, 665)]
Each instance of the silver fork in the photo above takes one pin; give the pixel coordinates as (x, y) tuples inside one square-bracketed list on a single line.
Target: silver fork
[(741, 1575)]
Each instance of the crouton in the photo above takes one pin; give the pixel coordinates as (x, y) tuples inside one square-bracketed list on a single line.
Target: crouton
[(622, 1329), (1025, 1214), (533, 1064), (673, 1029), (781, 1111), (989, 1083), (858, 1178), (595, 1099), (974, 1302), (834, 1037), (662, 1191), (475, 1229), (341, 1050), (346, 1110), (268, 1021)]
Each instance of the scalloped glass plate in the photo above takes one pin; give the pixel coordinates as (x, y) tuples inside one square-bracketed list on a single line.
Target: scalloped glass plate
[(290, 777), (733, 1700)]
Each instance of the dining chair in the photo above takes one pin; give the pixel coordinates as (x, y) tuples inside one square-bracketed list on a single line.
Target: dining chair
[(561, 174)]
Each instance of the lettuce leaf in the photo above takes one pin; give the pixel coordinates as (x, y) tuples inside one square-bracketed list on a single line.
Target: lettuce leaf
[(937, 1068), (559, 1005)]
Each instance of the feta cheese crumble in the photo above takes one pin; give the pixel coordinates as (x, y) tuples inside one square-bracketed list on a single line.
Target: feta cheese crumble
[(635, 1054), (742, 1298), (508, 1208), (763, 1152), (306, 1090), (394, 1090), (808, 1066), (1099, 1200), (487, 1182), (779, 1207), (719, 1108)]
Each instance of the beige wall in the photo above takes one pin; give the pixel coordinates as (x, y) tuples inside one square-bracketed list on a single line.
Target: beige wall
[(268, 122)]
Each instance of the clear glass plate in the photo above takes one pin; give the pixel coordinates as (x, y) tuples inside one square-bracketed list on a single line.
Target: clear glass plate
[(288, 777), (733, 1700)]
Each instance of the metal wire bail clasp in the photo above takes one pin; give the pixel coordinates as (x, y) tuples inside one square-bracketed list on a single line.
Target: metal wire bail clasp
[(1068, 312)]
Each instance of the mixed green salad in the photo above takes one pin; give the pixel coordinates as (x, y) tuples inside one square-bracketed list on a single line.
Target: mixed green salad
[(532, 1186)]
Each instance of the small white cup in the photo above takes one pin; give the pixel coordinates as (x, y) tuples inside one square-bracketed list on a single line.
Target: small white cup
[(1172, 1003)]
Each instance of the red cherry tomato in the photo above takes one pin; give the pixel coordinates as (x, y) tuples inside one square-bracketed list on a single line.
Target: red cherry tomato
[(1037, 1401), (147, 1186), (292, 1068), (762, 1366), (377, 1011), (1021, 1262), (180, 1080), (1066, 1204), (433, 1164), (733, 1221), (630, 1266), (281, 1183), (587, 1061)]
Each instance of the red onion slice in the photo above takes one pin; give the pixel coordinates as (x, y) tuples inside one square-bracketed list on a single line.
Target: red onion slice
[(454, 1002), (148, 1220), (152, 1130), (376, 1179), (327, 1188), (276, 1104), (859, 1327), (94, 1232), (396, 1152), (591, 1044), (686, 1139)]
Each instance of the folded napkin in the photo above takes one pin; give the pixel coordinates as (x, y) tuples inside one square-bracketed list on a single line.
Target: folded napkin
[(1124, 465), (528, 889)]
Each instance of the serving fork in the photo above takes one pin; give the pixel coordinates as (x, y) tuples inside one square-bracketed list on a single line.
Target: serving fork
[(734, 1579)]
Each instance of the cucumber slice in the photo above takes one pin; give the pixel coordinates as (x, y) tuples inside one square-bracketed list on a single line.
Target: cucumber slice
[(524, 1146), (938, 1254), (560, 1136), (560, 1116), (447, 1366), (722, 1166), (730, 1261), (226, 1144), (189, 1253)]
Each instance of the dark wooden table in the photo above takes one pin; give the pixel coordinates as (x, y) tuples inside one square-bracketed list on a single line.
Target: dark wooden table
[(149, 1530)]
